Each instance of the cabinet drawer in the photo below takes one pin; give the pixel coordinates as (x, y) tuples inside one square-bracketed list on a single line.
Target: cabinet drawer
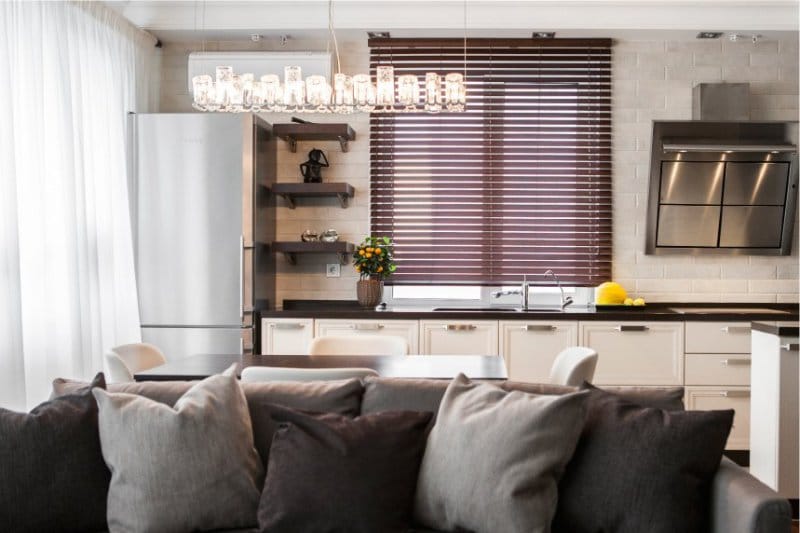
[(458, 337), (736, 398), (718, 337), (636, 353), (286, 336), (529, 348), (717, 369), (408, 329)]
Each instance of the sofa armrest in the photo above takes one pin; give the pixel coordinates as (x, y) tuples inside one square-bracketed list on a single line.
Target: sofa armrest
[(742, 504)]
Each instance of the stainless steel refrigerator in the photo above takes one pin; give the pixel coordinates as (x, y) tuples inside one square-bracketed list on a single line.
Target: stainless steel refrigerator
[(203, 221)]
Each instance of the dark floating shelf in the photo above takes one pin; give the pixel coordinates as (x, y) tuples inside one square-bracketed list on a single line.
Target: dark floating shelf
[(292, 191), (293, 132), (291, 248)]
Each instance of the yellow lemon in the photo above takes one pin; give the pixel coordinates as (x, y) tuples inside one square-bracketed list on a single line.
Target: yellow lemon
[(368, 255), (609, 293), (361, 252), (378, 251), (628, 301), (638, 301), (380, 269)]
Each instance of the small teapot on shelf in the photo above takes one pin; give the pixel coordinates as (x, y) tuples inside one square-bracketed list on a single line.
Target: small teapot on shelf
[(312, 169)]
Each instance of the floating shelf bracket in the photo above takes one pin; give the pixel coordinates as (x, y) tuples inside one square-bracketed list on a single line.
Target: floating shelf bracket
[(343, 143), (289, 200)]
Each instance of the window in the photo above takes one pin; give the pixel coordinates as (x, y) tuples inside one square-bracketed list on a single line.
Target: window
[(518, 184)]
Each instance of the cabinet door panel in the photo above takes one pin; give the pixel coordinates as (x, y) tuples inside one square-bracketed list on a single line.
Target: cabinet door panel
[(286, 336), (736, 398), (408, 329), (717, 369), (530, 347), (636, 353), (718, 337), (457, 337)]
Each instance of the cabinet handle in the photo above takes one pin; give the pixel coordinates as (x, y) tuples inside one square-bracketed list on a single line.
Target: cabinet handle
[(366, 327), (735, 393), (459, 327), (735, 329), (791, 347), (735, 362), (631, 328), (538, 327), (287, 325)]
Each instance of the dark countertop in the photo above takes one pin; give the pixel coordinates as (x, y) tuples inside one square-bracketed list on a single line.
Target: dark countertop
[(651, 312), (779, 328)]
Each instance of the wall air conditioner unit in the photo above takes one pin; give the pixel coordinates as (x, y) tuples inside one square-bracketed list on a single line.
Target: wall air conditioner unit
[(259, 63)]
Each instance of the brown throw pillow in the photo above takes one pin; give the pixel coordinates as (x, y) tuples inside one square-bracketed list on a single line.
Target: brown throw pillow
[(52, 474), (641, 468), (329, 472)]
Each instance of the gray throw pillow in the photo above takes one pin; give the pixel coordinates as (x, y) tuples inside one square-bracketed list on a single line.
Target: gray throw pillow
[(494, 458), (188, 468), (52, 474)]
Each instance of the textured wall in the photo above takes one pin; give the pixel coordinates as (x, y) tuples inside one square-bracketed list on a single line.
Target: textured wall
[(653, 80)]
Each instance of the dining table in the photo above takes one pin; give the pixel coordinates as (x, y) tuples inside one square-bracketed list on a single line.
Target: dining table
[(200, 366)]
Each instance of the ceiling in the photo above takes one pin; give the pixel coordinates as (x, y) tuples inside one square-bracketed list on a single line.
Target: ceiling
[(308, 19)]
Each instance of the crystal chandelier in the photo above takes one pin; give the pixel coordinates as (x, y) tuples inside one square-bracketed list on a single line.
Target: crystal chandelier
[(230, 92)]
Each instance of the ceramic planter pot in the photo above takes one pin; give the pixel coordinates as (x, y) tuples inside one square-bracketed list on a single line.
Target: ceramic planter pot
[(369, 292)]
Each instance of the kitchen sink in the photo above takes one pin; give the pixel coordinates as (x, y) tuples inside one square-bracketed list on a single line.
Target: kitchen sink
[(479, 309), (735, 310), (502, 309)]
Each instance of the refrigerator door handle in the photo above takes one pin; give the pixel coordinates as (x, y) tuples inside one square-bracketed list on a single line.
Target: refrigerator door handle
[(241, 277)]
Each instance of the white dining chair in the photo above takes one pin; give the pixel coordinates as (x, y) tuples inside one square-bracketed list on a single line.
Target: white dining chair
[(573, 366), (359, 345), (122, 362), (257, 374)]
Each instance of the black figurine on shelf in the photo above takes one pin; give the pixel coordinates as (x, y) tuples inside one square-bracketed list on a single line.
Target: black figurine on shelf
[(312, 168)]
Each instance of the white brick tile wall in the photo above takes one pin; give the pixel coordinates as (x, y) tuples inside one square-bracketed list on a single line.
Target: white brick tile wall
[(652, 80)]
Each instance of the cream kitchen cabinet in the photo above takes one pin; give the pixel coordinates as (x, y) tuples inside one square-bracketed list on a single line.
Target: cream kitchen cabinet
[(736, 398), (718, 337), (530, 347), (458, 337), (717, 373), (408, 329), (635, 353), (286, 336)]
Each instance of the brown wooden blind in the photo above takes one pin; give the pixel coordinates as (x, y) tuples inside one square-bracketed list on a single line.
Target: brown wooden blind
[(518, 184)]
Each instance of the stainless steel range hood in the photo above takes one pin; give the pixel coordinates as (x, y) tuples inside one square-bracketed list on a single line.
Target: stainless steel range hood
[(723, 187), (721, 183)]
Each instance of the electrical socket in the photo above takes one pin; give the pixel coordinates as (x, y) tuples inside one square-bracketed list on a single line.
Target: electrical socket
[(333, 270)]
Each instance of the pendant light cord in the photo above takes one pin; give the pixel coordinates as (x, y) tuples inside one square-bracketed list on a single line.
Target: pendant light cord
[(332, 36), (465, 43)]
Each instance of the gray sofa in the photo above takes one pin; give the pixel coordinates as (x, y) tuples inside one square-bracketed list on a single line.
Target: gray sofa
[(739, 502)]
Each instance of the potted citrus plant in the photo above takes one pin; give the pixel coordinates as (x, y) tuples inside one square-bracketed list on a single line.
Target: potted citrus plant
[(373, 259)]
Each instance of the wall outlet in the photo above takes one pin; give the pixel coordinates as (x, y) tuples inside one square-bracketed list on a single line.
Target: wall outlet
[(333, 270)]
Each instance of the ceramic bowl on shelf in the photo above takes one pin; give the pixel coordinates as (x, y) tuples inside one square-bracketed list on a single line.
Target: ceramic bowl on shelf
[(309, 236), (329, 235)]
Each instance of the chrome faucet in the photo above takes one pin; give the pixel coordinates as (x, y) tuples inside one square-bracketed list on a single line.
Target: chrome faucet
[(523, 291), (565, 300)]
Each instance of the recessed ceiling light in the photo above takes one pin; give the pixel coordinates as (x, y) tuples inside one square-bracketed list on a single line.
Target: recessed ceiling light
[(379, 35), (709, 35), (543, 35)]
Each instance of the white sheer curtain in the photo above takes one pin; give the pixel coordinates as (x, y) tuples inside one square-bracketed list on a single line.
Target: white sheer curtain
[(69, 74)]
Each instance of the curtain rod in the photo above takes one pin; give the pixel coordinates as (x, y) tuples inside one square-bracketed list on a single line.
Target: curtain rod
[(484, 41)]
